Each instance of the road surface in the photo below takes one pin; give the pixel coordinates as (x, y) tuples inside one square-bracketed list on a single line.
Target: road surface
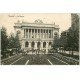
[(41, 59)]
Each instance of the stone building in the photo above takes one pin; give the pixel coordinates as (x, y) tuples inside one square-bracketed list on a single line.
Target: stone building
[(37, 35)]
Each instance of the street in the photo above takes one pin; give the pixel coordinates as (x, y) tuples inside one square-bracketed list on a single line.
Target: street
[(41, 59)]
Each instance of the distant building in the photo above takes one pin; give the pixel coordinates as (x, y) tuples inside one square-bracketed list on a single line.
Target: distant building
[(37, 35)]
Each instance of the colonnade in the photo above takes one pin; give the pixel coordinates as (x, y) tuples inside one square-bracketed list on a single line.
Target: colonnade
[(38, 33)]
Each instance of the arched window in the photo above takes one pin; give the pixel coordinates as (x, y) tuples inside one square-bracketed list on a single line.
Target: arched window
[(32, 44), (26, 44), (38, 44), (44, 44)]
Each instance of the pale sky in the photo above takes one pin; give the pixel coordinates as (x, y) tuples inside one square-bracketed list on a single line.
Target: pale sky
[(61, 19)]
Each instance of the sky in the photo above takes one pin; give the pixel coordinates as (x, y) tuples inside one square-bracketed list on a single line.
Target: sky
[(62, 19)]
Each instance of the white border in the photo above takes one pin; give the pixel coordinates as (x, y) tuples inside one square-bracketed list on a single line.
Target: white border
[(39, 72), (39, 6)]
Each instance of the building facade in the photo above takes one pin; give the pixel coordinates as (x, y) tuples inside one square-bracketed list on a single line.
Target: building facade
[(37, 35)]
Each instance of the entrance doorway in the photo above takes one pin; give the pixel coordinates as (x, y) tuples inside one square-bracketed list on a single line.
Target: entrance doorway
[(44, 44), (32, 44), (38, 45), (26, 44)]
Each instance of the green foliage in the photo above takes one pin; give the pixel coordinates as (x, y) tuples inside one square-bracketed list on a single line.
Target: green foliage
[(63, 40), (73, 34), (11, 41), (4, 39), (69, 39), (8, 44), (17, 42), (55, 43), (14, 42)]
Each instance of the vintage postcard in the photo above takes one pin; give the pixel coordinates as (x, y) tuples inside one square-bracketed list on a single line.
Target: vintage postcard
[(39, 38)]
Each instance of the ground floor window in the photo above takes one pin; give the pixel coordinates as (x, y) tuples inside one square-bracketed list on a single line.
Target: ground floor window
[(32, 44), (26, 44), (44, 44)]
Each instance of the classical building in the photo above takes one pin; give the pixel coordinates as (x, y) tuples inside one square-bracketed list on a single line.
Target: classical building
[(37, 35)]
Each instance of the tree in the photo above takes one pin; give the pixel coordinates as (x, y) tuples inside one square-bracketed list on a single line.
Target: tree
[(17, 42), (14, 42), (11, 43), (69, 39), (61, 43), (56, 42), (4, 41), (73, 34), (63, 40)]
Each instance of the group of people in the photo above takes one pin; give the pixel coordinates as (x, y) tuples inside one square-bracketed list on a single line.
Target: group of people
[(37, 51)]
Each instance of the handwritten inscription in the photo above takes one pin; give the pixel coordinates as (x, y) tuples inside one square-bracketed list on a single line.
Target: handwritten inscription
[(15, 15)]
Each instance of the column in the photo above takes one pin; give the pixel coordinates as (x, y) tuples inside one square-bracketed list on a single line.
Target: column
[(41, 45), (24, 33), (28, 33), (45, 34), (31, 33), (40, 33), (34, 33), (52, 34), (47, 46), (37, 33), (48, 33), (35, 44), (29, 44)]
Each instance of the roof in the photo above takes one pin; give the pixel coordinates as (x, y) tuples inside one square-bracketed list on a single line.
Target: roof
[(37, 23)]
